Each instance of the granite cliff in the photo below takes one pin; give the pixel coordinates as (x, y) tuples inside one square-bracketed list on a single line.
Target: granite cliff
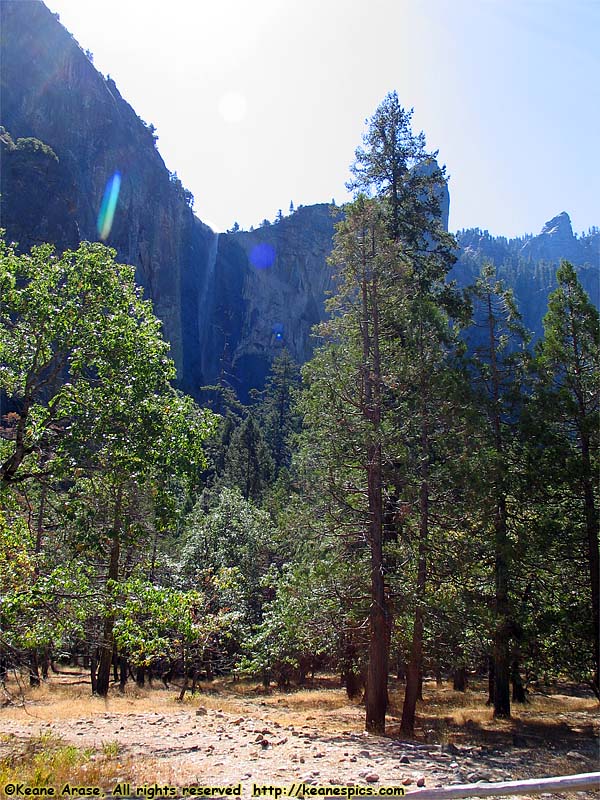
[(228, 302), (51, 92), (67, 132), (556, 240)]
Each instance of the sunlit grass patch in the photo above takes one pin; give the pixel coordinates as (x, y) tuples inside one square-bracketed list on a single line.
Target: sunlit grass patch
[(46, 760), (111, 749), (444, 715), (69, 696)]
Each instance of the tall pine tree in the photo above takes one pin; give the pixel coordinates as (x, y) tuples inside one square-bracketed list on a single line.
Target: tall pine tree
[(570, 356), (498, 374), (389, 251)]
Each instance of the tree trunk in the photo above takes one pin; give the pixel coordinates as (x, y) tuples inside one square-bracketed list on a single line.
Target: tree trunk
[(94, 672), (45, 663), (377, 673), (10, 467), (401, 668), (591, 525), (459, 680), (411, 692), (501, 546), (376, 693), (502, 632), (413, 674), (123, 670), (376, 696), (186, 680), (186, 672), (519, 693), (34, 669), (105, 661), (350, 677), (414, 682), (352, 681), (491, 680), (107, 641)]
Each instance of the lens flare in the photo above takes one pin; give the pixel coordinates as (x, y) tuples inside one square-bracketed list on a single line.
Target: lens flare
[(262, 256), (106, 214)]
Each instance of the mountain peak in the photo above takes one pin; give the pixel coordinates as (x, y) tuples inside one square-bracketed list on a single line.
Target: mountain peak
[(556, 241), (558, 226)]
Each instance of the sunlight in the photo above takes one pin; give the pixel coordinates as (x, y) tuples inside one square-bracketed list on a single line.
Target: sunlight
[(233, 107)]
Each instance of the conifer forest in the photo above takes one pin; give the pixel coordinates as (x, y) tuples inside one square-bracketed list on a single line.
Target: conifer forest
[(418, 501)]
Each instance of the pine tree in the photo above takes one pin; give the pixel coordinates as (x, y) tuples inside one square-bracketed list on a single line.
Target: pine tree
[(248, 464), (392, 255), (570, 356), (276, 411), (345, 408), (395, 165), (499, 375), (428, 404)]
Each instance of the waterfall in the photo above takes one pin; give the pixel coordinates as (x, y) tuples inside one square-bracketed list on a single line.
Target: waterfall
[(208, 280)]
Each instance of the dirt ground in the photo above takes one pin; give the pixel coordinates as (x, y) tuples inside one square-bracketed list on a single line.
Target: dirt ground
[(231, 733)]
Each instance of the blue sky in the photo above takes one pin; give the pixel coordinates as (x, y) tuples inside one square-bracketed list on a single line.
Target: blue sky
[(259, 103)]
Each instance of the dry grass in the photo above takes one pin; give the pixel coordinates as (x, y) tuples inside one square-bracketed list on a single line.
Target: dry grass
[(460, 706), (58, 700), (45, 760), (443, 715), (66, 698)]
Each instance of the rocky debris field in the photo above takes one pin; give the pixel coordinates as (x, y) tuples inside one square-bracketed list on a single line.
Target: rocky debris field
[(208, 746)]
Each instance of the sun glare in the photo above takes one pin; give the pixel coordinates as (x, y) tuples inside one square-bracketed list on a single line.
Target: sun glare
[(233, 107)]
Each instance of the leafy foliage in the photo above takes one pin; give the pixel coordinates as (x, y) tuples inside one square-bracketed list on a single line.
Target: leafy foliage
[(96, 436), (405, 506)]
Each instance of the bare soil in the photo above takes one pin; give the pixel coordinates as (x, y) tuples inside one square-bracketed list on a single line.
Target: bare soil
[(233, 732)]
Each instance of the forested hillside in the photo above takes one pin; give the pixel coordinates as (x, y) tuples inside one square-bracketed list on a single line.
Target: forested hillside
[(528, 264), (401, 505)]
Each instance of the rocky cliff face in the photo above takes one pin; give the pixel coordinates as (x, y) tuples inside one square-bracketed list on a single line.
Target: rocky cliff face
[(259, 291), (226, 308), (51, 91), (555, 241), (286, 279)]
